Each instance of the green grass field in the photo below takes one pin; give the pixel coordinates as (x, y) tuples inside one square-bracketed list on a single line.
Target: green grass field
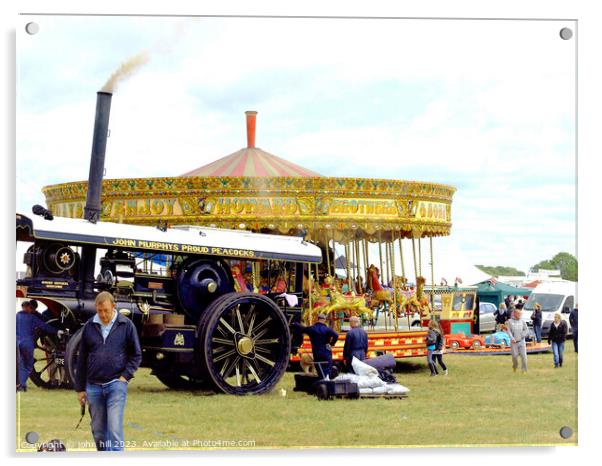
[(480, 402)]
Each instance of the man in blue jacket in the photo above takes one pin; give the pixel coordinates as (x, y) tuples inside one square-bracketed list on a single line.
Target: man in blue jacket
[(109, 354), (29, 322), (322, 338), (356, 343)]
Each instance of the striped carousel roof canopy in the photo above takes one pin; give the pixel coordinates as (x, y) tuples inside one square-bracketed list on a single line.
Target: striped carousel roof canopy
[(251, 161)]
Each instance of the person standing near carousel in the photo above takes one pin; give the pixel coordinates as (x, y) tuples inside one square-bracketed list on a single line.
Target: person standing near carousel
[(29, 322), (439, 347), (431, 345), (501, 316), (557, 337), (518, 331), (322, 338), (109, 355), (573, 319), (536, 318), (356, 343)]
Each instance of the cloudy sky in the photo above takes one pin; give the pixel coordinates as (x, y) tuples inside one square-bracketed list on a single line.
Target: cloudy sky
[(486, 106)]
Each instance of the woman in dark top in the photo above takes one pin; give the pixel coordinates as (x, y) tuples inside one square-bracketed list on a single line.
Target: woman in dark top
[(557, 337), (537, 320)]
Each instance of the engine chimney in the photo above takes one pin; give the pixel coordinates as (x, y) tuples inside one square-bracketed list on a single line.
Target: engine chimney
[(97, 159), (251, 121)]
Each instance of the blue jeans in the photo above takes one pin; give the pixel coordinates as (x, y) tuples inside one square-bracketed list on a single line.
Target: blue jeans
[(537, 330), (558, 350), (25, 362), (576, 340), (106, 404), (431, 362)]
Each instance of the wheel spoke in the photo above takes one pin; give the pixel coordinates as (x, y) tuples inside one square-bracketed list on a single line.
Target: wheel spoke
[(251, 319), (239, 317), (261, 349), (226, 374), (227, 325), (267, 341), (245, 373), (49, 358), (253, 371), (266, 360), (222, 341), (263, 322), (260, 334), (45, 367), (237, 375), (223, 356)]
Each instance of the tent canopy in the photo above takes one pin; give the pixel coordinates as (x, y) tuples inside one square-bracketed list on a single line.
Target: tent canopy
[(492, 291)]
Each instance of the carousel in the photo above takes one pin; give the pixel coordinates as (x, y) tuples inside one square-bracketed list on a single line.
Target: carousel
[(360, 224)]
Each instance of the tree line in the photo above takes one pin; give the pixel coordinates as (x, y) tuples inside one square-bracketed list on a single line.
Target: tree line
[(563, 261)]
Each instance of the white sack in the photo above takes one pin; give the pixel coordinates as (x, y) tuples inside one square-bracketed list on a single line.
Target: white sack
[(361, 368)]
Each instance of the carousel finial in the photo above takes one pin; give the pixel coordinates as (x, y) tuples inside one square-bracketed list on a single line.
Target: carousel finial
[(251, 121)]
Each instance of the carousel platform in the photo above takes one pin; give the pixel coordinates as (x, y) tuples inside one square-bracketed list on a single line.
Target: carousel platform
[(532, 348)]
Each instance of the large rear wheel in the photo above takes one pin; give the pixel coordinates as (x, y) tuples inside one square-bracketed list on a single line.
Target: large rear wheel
[(244, 343)]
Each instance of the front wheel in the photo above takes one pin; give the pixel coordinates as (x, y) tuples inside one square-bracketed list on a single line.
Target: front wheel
[(49, 363), (243, 344)]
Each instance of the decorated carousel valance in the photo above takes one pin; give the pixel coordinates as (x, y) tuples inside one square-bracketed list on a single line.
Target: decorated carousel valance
[(254, 190)]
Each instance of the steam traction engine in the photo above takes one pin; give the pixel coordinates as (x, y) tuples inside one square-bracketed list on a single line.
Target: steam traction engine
[(197, 325), (195, 329)]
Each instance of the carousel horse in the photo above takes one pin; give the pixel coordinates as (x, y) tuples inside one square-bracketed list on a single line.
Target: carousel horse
[(330, 301), (419, 302), (379, 294), (239, 280), (380, 299)]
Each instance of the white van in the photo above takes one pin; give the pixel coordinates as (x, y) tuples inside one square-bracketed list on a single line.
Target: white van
[(553, 297)]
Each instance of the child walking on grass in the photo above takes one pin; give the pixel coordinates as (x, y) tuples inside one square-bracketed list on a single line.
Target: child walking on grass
[(439, 347), (434, 347)]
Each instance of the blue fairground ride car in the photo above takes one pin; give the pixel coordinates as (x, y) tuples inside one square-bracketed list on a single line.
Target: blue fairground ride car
[(501, 339)]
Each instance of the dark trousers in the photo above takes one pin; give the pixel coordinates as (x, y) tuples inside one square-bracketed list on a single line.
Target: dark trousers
[(25, 362), (323, 364), (438, 358), (576, 340)]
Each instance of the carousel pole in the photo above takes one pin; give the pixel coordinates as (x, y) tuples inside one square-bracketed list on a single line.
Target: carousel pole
[(327, 251), (356, 245), (432, 277), (419, 257), (315, 238), (334, 256), (309, 291), (392, 254), (382, 272), (380, 258), (415, 263), (352, 253), (347, 265), (366, 258), (403, 267)]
